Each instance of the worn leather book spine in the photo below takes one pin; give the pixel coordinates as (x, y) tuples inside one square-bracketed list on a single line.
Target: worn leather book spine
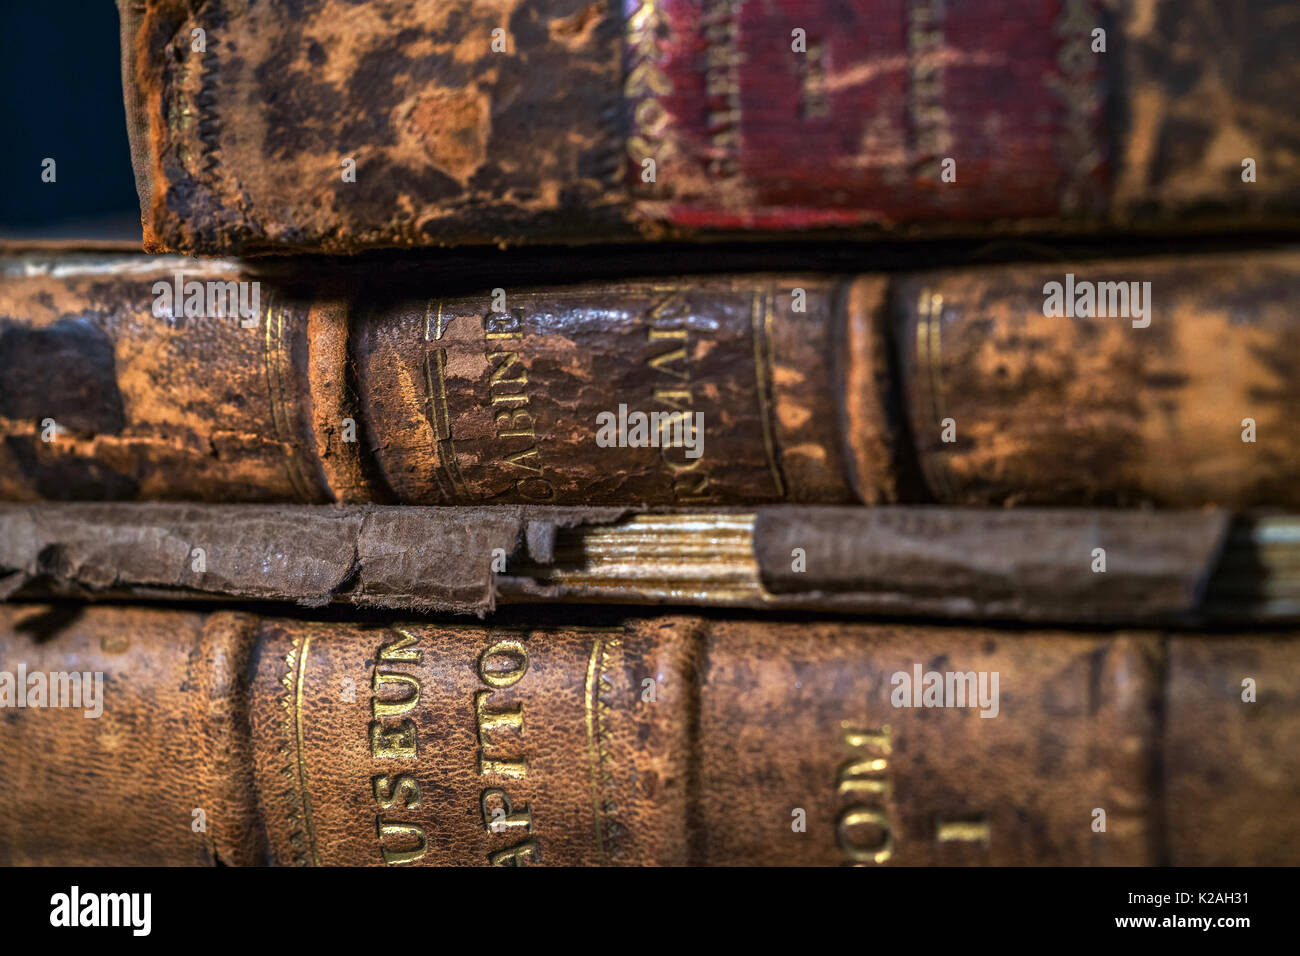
[(506, 402), (1175, 388), (674, 740), (1044, 566), (1110, 383), (259, 127), (107, 394)]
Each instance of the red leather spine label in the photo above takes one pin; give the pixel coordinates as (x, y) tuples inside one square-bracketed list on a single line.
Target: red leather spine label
[(782, 116)]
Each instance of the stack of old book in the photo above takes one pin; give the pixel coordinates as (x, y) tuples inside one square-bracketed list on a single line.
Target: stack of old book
[(868, 540)]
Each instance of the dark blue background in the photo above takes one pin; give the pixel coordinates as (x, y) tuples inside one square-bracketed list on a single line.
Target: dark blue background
[(61, 96)]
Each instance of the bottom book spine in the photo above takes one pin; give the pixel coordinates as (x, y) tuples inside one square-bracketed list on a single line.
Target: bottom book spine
[(158, 736)]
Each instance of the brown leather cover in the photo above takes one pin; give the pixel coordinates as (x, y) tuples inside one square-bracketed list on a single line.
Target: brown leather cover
[(669, 740), (466, 404), (532, 120), (1070, 566), (1024, 564), (150, 406), (407, 558), (450, 402), (812, 388), (121, 788), (1058, 409)]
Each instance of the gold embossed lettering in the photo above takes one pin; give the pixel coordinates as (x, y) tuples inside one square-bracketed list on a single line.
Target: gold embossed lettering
[(650, 115), (663, 363), (500, 728), (490, 720), (722, 58), (535, 489), (504, 663), (691, 487), (932, 138), (392, 736), (645, 81), (876, 847), (503, 325), (499, 369), (678, 399), (516, 855), (389, 791), (507, 379), (494, 799), (518, 460), (401, 833), (392, 743), (690, 481), (491, 766), (962, 831), (812, 82), (517, 421), (863, 829), (401, 649), (394, 706)]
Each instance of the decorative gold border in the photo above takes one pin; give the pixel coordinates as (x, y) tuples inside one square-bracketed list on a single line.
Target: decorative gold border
[(1078, 87), (646, 85), (761, 320), (598, 736), (441, 427), (929, 312), (303, 835), (274, 356)]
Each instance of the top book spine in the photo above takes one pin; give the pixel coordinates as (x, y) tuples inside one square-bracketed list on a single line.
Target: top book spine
[(336, 127)]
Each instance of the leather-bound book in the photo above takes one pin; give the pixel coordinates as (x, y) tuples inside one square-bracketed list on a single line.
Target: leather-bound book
[(337, 126), (1121, 382), (1045, 566), (183, 738)]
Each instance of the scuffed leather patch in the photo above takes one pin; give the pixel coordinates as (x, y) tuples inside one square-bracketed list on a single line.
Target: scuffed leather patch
[(419, 559), (333, 126)]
